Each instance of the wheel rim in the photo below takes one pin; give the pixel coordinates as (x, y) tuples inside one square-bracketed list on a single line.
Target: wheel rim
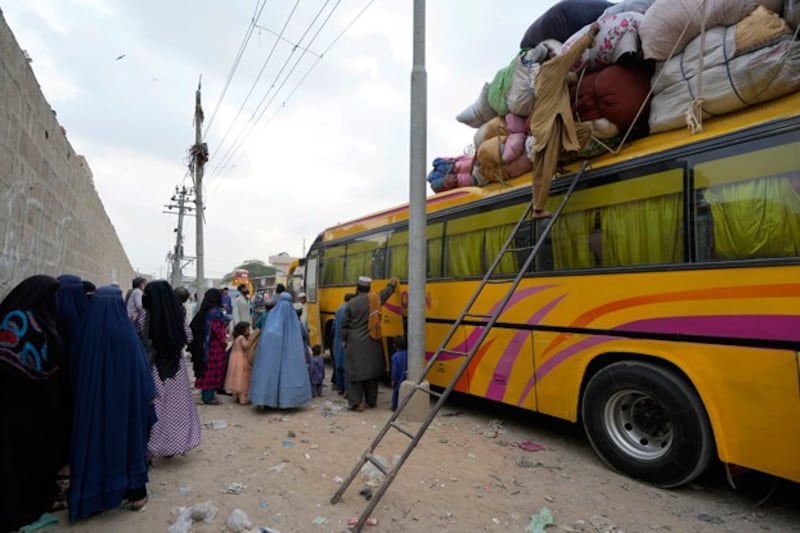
[(638, 424)]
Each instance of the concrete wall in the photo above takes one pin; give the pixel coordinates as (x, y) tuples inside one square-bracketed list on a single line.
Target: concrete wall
[(51, 219)]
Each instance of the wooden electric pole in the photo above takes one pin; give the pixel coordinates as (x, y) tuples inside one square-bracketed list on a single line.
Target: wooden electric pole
[(199, 153)]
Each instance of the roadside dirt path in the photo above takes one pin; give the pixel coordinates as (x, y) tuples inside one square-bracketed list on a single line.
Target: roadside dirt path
[(469, 473)]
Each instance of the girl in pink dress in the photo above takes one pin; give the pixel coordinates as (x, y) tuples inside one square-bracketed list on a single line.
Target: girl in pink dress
[(237, 381)]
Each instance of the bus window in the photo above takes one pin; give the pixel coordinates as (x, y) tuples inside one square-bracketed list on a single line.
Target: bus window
[(435, 232), (365, 257), (748, 205), (626, 223), (571, 241), (397, 254), (464, 246), (332, 265), (311, 279), (496, 236), (643, 232)]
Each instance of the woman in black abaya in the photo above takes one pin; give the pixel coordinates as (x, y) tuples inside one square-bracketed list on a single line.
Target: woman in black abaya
[(32, 408)]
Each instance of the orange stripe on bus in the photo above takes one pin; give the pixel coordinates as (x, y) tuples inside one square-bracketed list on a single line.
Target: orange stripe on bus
[(724, 293)]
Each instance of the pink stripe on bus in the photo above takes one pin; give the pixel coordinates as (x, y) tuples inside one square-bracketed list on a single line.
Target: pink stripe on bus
[(497, 390)]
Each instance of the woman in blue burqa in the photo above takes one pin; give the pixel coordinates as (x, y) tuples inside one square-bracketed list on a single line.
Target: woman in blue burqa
[(113, 411), (72, 304), (280, 375), (35, 436)]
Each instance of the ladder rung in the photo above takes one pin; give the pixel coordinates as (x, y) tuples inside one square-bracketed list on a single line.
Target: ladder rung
[(429, 391), (379, 465), (402, 430), (499, 281), (520, 249), (478, 315), (455, 352)]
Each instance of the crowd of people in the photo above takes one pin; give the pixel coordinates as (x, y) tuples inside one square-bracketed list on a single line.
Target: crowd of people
[(106, 380)]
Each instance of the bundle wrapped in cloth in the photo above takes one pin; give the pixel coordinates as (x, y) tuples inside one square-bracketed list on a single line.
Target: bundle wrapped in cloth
[(450, 173), (618, 38), (732, 79), (669, 25), (562, 20), (501, 158)]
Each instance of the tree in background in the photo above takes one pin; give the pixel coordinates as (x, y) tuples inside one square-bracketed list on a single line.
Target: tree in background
[(255, 267)]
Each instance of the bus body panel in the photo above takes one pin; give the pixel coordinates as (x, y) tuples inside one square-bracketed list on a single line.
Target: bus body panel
[(729, 324), (745, 401), (443, 370)]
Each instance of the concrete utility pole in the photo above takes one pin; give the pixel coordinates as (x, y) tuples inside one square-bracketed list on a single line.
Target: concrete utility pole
[(179, 201), (417, 223), (199, 153), (419, 405)]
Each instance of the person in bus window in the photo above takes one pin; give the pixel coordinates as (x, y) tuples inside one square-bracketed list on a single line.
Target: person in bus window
[(361, 332)]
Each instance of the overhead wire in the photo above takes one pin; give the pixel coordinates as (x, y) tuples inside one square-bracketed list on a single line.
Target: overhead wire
[(319, 58), (233, 151), (260, 73), (248, 34), (247, 129)]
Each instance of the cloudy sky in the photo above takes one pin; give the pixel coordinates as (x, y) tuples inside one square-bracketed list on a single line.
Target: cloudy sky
[(292, 158)]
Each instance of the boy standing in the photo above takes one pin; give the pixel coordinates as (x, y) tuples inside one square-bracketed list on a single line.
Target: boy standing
[(316, 370), (399, 367)]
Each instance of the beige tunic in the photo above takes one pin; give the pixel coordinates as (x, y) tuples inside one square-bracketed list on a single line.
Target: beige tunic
[(552, 125)]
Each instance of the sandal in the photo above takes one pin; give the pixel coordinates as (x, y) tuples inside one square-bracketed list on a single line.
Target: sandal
[(60, 503), (134, 506)]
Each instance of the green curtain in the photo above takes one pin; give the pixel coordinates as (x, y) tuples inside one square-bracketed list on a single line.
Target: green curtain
[(757, 218), (357, 264), (435, 258), (398, 261), (333, 267), (464, 254), (644, 232), (571, 241), (494, 240)]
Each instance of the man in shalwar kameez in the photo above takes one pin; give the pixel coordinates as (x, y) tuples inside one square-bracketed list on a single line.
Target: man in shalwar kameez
[(552, 126), (363, 352)]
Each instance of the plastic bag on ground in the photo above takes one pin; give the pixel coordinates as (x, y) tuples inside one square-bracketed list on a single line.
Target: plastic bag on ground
[(238, 521)]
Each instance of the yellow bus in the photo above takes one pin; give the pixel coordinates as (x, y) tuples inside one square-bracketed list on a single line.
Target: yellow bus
[(663, 312)]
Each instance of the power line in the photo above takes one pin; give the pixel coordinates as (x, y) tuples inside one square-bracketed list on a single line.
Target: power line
[(231, 153), (319, 58), (239, 54), (245, 131), (260, 73), (284, 39)]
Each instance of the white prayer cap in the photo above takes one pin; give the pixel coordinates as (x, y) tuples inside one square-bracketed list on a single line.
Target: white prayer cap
[(364, 281)]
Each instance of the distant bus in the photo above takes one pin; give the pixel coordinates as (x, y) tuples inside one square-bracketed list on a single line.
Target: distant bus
[(663, 313), (241, 276)]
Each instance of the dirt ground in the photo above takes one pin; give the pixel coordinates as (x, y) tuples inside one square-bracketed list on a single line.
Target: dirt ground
[(468, 474)]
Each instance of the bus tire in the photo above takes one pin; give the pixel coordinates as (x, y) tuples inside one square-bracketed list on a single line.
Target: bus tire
[(647, 422)]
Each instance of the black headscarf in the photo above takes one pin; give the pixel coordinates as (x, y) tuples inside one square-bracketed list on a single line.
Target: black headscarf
[(33, 402), (164, 327), (212, 299), (30, 346)]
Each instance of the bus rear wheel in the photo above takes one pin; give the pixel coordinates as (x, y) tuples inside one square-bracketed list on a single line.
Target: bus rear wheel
[(647, 422)]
